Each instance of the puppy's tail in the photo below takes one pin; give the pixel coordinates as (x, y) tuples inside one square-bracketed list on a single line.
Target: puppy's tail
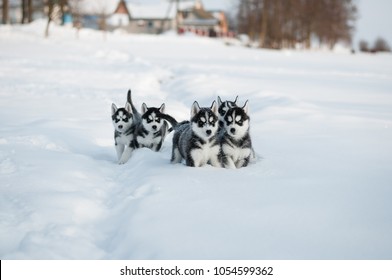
[(174, 123), (134, 110)]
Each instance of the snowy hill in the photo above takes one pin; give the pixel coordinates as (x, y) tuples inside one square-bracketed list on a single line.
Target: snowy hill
[(321, 124)]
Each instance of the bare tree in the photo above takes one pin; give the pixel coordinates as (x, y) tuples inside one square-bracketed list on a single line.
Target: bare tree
[(284, 23), (50, 6), (381, 45), (364, 46), (6, 19), (30, 11), (55, 11), (24, 11), (27, 11)]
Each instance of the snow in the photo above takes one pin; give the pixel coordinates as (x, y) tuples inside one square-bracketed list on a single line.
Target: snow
[(321, 124)]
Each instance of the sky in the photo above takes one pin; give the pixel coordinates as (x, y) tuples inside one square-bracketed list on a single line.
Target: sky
[(374, 18)]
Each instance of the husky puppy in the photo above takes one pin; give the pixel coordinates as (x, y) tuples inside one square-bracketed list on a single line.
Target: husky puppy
[(196, 140), (152, 129), (124, 129), (223, 107), (235, 141)]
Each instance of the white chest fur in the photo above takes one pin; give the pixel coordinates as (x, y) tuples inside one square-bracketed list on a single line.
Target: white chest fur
[(149, 140), (124, 139), (206, 152)]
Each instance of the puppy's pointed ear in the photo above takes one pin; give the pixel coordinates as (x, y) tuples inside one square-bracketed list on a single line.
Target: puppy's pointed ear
[(219, 101), (128, 108), (214, 107), (162, 108), (195, 109), (144, 108), (114, 108), (246, 107), (236, 99)]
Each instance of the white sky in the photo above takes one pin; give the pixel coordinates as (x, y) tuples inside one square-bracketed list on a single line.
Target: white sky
[(374, 20)]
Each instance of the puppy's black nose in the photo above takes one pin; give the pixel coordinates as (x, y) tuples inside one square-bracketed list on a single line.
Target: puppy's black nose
[(120, 126), (232, 130), (154, 127), (208, 131)]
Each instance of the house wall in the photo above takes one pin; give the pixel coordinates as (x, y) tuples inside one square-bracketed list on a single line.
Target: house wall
[(149, 26), (118, 20), (223, 25)]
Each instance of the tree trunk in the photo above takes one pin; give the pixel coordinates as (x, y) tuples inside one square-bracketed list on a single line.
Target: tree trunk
[(264, 24), (24, 11), (30, 10), (50, 12), (6, 19), (63, 4)]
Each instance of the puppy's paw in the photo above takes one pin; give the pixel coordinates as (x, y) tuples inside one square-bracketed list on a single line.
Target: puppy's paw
[(122, 161)]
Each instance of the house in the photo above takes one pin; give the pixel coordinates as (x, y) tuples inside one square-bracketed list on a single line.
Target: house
[(121, 16), (223, 24), (157, 16), (197, 20)]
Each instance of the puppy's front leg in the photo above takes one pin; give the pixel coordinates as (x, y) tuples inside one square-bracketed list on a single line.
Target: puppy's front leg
[(215, 161), (229, 163), (119, 150), (126, 154)]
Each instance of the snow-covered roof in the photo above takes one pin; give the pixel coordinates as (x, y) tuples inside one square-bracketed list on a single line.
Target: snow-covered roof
[(156, 9)]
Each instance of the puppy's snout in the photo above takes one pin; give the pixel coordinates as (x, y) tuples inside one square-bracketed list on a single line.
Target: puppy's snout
[(120, 126), (208, 131), (232, 130), (154, 127)]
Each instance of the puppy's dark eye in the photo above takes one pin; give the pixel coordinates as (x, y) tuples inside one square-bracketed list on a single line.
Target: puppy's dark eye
[(157, 120), (200, 123), (222, 111)]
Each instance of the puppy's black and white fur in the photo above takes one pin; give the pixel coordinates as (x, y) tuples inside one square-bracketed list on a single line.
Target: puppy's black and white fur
[(236, 144), (223, 107), (152, 129), (124, 130), (137, 117), (196, 140)]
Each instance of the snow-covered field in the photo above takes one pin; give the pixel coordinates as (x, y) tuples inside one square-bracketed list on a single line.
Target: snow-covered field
[(321, 124)]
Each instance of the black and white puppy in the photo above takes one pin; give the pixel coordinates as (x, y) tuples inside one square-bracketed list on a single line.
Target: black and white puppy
[(152, 129), (124, 131), (223, 107), (236, 143), (196, 140)]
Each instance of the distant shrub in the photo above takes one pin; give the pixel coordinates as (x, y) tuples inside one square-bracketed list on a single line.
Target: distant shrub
[(363, 46), (381, 45)]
